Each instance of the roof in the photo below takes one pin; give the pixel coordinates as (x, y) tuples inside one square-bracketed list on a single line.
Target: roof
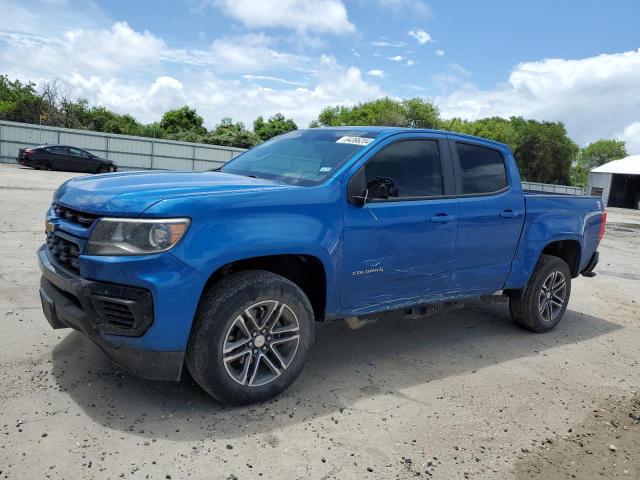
[(628, 165), (386, 131)]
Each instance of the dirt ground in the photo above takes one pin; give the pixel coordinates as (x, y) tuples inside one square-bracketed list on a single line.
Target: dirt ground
[(461, 394)]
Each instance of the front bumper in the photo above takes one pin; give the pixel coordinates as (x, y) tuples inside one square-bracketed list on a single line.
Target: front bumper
[(75, 302)]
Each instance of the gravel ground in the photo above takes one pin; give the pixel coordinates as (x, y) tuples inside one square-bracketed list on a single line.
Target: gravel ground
[(460, 394)]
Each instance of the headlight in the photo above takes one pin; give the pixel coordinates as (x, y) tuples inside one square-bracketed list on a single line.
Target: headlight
[(122, 236)]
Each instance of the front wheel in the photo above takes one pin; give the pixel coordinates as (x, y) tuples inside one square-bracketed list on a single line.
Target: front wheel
[(250, 338), (542, 303)]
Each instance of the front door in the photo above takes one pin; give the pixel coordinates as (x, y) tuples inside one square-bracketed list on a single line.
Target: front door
[(57, 157), (80, 161), (399, 246)]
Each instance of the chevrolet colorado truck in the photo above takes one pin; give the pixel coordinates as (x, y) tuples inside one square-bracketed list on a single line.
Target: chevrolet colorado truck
[(226, 272)]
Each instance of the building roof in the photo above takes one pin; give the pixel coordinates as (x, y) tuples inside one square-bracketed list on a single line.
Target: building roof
[(628, 165)]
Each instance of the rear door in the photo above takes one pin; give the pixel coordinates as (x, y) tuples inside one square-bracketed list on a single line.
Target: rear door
[(399, 250), (56, 156), (491, 215)]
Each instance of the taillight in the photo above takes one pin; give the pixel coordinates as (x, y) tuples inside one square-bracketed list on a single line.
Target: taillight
[(27, 151), (603, 223)]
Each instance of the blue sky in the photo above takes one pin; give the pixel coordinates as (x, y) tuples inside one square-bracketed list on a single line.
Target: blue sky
[(574, 61)]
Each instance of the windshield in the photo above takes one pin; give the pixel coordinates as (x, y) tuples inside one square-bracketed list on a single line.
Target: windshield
[(301, 157)]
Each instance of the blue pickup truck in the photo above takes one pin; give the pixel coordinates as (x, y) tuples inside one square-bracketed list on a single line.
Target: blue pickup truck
[(227, 272)]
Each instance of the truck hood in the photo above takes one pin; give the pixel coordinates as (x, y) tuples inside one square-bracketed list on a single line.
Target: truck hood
[(131, 193)]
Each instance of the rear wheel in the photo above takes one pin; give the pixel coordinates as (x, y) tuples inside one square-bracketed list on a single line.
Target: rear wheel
[(542, 303), (250, 338)]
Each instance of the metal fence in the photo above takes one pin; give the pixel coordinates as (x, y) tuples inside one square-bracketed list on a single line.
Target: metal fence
[(550, 188), (130, 153)]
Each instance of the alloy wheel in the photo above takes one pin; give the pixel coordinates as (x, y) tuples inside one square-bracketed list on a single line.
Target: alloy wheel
[(261, 343), (552, 297)]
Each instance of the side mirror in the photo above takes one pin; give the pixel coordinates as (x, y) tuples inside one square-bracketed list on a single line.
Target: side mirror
[(357, 192), (382, 188), (379, 190)]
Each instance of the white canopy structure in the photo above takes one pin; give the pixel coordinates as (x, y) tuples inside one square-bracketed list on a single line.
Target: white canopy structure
[(618, 182)]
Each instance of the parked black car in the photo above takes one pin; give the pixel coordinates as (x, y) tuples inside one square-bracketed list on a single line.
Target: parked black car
[(64, 157)]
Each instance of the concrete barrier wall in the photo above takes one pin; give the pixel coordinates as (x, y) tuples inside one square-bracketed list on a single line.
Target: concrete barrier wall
[(130, 153)]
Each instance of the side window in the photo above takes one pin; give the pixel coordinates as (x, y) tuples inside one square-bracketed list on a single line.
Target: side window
[(58, 150), (77, 152), (482, 170), (408, 168)]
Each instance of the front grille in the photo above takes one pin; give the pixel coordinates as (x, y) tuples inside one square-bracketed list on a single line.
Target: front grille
[(74, 216), (65, 252), (115, 311)]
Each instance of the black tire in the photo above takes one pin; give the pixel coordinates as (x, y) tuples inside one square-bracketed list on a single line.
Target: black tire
[(220, 308), (103, 169), (528, 307)]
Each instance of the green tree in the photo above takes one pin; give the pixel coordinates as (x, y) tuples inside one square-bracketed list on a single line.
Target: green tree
[(603, 151), (592, 156), (276, 125), (153, 130), (101, 119), (495, 128), (19, 102), (420, 113), (412, 112), (183, 119), (543, 150), (231, 134)]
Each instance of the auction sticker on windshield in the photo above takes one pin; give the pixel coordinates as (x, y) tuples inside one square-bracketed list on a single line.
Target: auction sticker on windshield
[(355, 140)]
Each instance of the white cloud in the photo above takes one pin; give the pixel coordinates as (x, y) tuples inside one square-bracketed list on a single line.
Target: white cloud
[(106, 51), (334, 84), (376, 73), (420, 35), (29, 17), (270, 78), (137, 73), (595, 97), (631, 136), (397, 58), (327, 16), (248, 53), (440, 53), (384, 44), (410, 63), (144, 101), (114, 49), (100, 50), (414, 6)]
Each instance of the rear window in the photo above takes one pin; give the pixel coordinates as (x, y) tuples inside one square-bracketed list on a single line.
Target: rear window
[(482, 170)]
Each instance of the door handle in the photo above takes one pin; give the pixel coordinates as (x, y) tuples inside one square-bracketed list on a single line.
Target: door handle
[(509, 214), (442, 218)]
